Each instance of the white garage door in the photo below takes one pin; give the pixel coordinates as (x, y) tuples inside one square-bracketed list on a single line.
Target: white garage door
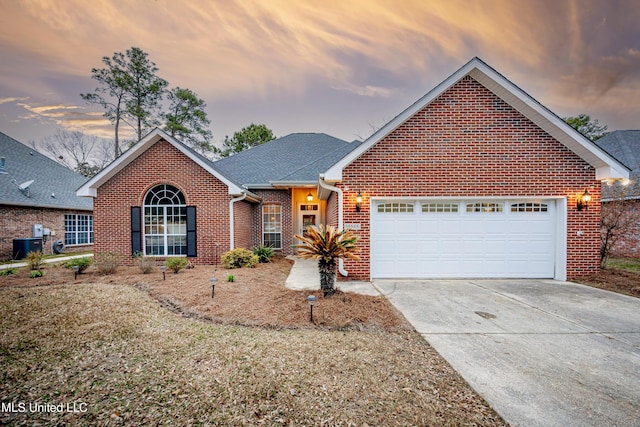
[(435, 239)]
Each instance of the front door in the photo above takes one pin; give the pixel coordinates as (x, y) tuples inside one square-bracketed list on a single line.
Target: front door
[(308, 215), (307, 221)]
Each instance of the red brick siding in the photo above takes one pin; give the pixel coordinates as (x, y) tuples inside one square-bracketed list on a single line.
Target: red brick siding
[(162, 164), (629, 244), (468, 142), (242, 219), (278, 197), (332, 209), (16, 222)]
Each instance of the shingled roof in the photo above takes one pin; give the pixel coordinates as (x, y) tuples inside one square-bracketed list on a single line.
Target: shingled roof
[(624, 145), (295, 159), (54, 186)]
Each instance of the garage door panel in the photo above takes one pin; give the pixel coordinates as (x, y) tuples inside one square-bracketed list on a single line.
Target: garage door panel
[(493, 239)]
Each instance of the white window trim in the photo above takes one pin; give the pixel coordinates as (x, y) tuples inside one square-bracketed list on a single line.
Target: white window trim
[(270, 205), (89, 232), (165, 235)]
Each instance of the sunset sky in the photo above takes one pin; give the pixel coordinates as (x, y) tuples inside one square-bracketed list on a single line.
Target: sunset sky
[(339, 67)]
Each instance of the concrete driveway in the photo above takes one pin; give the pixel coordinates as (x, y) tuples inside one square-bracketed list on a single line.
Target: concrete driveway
[(541, 352)]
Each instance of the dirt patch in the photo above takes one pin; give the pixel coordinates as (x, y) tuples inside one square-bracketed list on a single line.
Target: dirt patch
[(614, 280), (256, 297)]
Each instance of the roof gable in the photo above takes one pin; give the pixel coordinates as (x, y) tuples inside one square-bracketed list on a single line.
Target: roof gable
[(89, 189), (54, 185), (606, 166)]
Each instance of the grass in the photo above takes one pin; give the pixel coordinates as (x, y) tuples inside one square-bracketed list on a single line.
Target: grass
[(131, 362), (628, 264), (52, 257)]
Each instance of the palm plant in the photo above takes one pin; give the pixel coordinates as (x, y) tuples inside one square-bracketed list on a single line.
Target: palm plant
[(327, 244)]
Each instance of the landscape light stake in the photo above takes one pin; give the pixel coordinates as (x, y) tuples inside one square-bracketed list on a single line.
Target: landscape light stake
[(312, 300), (75, 271), (213, 281), (164, 269)]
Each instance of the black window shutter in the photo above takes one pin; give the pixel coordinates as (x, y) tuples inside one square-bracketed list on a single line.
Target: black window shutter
[(136, 230), (191, 231)]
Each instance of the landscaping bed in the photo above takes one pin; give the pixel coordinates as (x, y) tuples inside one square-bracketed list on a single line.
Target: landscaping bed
[(106, 346)]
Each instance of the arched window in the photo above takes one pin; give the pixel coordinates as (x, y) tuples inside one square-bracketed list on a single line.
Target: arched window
[(165, 221)]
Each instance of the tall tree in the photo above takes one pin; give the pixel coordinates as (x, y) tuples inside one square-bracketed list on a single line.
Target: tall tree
[(187, 120), (591, 129), (110, 94), (144, 90), (85, 154), (248, 137), (129, 91)]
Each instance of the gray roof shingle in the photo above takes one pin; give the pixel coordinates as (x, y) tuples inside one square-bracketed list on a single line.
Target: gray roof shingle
[(624, 145), (295, 158), (50, 179)]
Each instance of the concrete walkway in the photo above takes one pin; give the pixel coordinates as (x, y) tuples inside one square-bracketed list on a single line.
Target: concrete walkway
[(20, 264), (304, 275), (541, 352)]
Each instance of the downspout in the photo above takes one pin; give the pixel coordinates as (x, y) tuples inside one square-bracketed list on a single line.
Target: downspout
[(231, 228), (338, 191)]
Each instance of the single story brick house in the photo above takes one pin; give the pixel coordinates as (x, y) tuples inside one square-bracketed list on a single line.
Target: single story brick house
[(475, 179), (38, 201), (624, 145)]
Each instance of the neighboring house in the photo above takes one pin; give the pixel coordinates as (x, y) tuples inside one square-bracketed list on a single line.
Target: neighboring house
[(624, 145), (476, 179), (35, 190)]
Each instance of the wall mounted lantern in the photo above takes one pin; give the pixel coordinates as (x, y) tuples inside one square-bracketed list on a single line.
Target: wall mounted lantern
[(358, 202), (309, 197), (583, 200)]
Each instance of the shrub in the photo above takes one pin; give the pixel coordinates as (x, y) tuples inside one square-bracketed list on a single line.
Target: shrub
[(34, 260), (82, 263), (145, 264), (231, 278), (239, 258), (176, 263), (264, 253), (8, 271), (36, 273), (108, 262)]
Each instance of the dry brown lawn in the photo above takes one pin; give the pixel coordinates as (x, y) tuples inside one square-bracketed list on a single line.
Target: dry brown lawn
[(248, 357)]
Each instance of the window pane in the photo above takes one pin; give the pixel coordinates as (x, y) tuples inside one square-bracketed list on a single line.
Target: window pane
[(165, 221), (272, 226)]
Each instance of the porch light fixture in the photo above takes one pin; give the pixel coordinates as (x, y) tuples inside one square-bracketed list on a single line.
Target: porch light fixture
[(358, 202), (213, 281), (583, 200), (311, 299), (164, 269), (309, 197)]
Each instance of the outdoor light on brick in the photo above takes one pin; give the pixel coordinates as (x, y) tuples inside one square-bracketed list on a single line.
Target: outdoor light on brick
[(583, 200), (358, 202), (309, 197)]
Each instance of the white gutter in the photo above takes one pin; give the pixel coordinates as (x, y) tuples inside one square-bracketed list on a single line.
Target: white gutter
[(231, 229), (326, 186)]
